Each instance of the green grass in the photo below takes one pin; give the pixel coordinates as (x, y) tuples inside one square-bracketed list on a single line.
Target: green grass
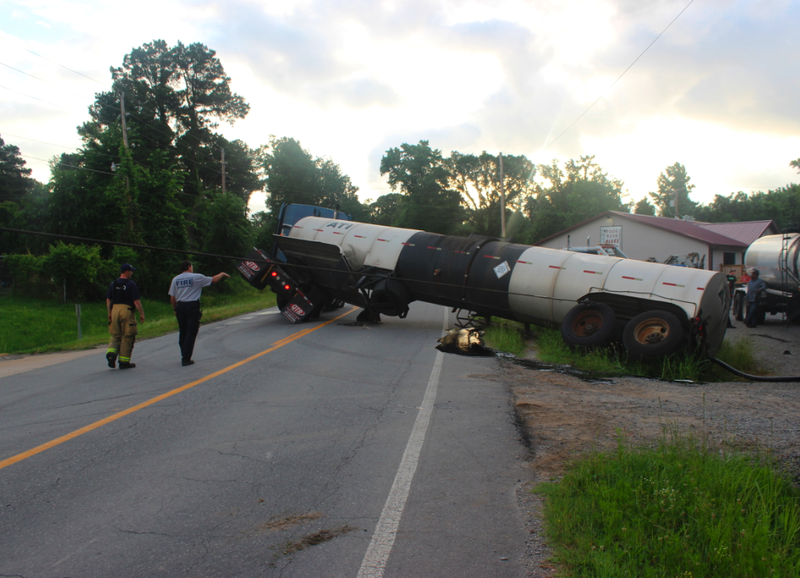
[(38, 326), (508, 336), (680, 509)]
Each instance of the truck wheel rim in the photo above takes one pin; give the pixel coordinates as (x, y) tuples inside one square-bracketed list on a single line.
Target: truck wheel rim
[(587, 323), (651, 331)]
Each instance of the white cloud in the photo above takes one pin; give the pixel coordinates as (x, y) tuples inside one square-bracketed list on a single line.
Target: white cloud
[(353, 78)]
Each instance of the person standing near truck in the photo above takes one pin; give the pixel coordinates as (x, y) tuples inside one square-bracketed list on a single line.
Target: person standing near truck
[(122, 299), (731, 277), (184, 294), (754, 289)]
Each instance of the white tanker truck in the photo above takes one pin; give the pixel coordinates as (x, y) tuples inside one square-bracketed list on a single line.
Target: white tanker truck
[(776, 258), (594, 299)]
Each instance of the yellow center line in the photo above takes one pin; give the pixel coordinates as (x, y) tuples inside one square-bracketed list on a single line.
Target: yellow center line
[(116, 416)]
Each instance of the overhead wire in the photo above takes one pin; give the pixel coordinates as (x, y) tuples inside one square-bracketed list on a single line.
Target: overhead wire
[(42, 80), (54, 62), (602, 94), (367, 274), (147, 124), (146, 137)]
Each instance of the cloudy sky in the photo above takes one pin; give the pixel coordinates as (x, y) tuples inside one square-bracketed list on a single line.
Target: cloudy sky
[(640, 84)]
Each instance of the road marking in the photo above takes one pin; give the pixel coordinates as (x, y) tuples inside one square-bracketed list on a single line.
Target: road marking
[(163, 396), (380, 546)]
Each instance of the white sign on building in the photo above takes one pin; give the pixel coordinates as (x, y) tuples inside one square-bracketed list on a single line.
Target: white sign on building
[(611, 236)]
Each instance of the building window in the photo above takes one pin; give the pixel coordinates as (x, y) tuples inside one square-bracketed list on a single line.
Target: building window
[(729, 258)]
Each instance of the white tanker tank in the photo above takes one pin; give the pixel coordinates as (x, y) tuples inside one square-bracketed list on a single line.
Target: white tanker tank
[(656, 308), (776, 258)]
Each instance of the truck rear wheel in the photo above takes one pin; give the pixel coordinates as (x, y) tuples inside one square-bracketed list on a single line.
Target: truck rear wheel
[(652, 334), (588, 325)]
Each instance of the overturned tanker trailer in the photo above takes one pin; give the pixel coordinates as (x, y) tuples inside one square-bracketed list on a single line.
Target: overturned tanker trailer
[(655, 309)]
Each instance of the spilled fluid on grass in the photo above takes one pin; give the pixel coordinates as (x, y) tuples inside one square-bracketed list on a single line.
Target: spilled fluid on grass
[(469, 342)]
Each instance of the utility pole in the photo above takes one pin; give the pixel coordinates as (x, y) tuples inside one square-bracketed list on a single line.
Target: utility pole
[(223, 171), (502, 200), (677, 215), (122, 112), (127, 180)]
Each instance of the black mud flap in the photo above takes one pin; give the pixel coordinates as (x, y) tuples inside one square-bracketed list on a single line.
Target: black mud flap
[(255, 268), (303, 305)]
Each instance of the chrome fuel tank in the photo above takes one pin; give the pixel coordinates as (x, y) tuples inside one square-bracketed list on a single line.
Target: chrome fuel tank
[(775, 257)]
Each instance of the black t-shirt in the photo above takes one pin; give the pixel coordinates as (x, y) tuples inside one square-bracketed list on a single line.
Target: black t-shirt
[(123, 291)]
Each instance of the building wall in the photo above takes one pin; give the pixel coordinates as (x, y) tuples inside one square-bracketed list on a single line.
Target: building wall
[(719, 256), (640, 241)]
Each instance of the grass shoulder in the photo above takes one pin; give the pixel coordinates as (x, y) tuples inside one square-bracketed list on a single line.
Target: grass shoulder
[(40, 326), (681, 508), (546, 345)]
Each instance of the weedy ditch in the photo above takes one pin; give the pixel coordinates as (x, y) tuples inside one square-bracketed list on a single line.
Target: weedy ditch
[(682, 508), (514, 341)]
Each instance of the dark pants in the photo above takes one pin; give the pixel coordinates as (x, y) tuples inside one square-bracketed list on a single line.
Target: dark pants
[(752, 313), (188, 315)]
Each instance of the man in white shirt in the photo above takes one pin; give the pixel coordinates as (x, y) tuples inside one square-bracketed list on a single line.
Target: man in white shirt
[(184, 294)]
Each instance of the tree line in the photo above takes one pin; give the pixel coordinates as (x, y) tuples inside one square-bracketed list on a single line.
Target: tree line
[(152, 170)]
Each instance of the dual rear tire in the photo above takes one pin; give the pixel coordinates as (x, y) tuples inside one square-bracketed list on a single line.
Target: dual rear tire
[(650, 334)]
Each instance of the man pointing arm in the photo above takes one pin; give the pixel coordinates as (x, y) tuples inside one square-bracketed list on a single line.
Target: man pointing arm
[(184, 294)]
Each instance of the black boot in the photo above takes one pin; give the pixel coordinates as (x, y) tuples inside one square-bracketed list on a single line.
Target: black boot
[(126, 365), (112, 358)]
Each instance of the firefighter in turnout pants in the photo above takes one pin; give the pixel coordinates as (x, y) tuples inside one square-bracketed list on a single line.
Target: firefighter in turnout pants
[(184, 294), (121, 299)]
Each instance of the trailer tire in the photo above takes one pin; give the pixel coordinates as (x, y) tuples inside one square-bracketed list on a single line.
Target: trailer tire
[(390, 297), (652, 334), (588, 325), (738, 306)]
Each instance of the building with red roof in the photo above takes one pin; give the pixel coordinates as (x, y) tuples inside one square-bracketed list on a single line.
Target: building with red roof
[(645, 237)]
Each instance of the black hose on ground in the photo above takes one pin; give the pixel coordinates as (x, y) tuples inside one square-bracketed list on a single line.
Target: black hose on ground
[(752, 377)]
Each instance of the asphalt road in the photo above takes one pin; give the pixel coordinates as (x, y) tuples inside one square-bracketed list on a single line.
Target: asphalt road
[(320, 450)]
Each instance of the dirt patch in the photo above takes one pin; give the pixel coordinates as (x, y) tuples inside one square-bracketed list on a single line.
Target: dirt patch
[(316, 538), (289, 521), (564, 416)]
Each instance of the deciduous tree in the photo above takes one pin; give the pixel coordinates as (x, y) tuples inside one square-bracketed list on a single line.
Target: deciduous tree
[(674, 188), (422, 175), (566, 198), (15, 180), (643, 207), (477, 179), (294, 176)]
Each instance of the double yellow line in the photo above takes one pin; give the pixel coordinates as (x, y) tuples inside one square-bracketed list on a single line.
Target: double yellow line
[(149, 402)]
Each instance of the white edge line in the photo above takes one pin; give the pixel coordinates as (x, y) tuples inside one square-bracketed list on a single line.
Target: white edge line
[(383, 538)]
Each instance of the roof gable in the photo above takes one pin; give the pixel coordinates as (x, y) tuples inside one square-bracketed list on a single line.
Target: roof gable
[(691, 229), (718, 234), (745, 232)]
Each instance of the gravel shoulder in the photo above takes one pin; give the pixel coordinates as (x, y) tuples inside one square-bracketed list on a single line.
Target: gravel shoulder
[(563, 416)]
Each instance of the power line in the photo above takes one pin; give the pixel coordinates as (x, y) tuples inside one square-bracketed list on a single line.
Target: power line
[(619, 77), (63, 164), (42, 80), (39, 141), (288, 266), (36, 98), (54, 62), (144, 122)]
